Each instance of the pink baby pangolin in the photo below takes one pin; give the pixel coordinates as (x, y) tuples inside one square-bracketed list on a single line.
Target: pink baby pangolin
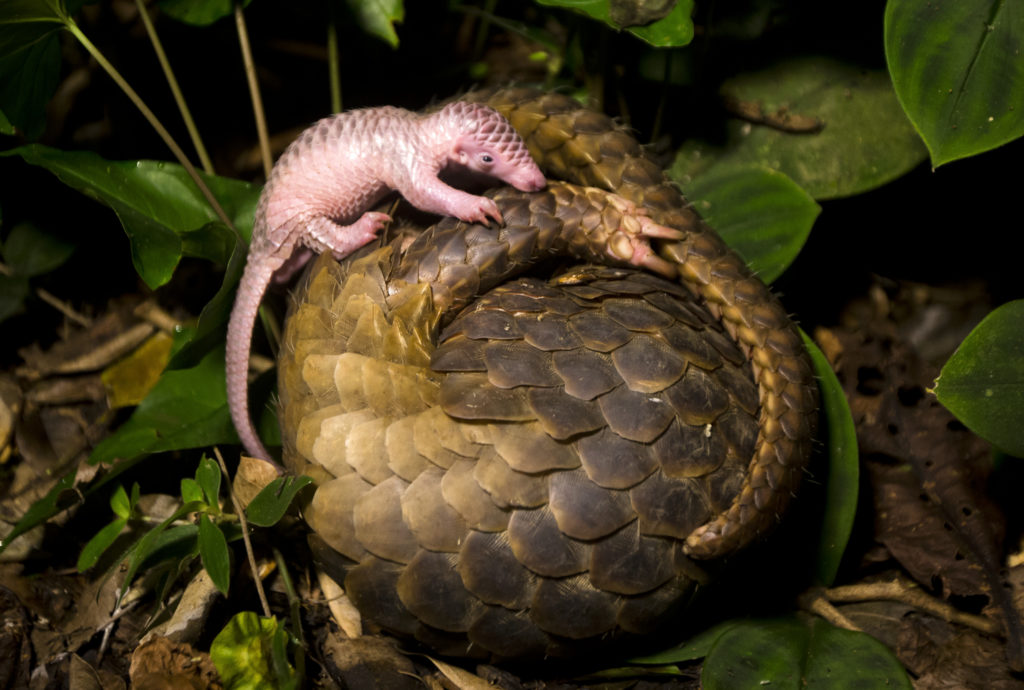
[(319, 192)]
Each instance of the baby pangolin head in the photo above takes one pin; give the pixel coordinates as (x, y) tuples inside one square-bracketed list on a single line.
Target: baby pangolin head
[(490, 145)]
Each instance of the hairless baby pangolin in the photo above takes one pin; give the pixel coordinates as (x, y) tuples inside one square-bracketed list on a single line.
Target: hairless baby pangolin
[(319, 193)]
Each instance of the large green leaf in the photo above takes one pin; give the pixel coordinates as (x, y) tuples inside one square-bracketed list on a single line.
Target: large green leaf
[(676, 29), (186, 409), (760, 213), (799, 654), (835, 129), (842, 479), (198, 12), (378, 17), (958, 69), (983, 382), (163, 213), (30, 58)]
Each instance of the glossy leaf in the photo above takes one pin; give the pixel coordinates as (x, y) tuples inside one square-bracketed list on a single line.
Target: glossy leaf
[(5, 125), (760, 213), (163, 213), (834, 129), (213, 550), (198, 12), (29, 251), (270, 504), (958, 69), (983, 381), (29, 60), (186, 409), (378, 17), (243, 654), (799, 654), (843, 475), (674, 30), (208, 479)]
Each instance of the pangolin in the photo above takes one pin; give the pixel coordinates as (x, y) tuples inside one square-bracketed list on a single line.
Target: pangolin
[(320, 191), (513, 467)]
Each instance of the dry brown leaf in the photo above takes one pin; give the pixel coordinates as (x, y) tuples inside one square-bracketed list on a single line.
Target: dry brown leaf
[(161, 664)]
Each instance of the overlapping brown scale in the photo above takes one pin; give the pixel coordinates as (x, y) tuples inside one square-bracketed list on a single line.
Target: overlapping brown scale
[(614, 462), (539, 545), (490, 571), (629, 563), (477, 537)]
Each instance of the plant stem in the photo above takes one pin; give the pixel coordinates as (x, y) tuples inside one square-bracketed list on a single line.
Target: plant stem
[(186, 115), (254, 88), (333, 56), (244, 524), (154, 122)]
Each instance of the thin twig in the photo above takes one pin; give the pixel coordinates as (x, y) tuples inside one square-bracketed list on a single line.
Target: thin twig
[(154, 122), (63, 308), (911, 594), (244, 524), (254, 89), (186, 115)]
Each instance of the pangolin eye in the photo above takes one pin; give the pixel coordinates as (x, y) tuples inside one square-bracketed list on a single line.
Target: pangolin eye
[(486, 158)]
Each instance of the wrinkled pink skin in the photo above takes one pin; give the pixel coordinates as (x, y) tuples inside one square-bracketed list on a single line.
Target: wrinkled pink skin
[(317, 197)]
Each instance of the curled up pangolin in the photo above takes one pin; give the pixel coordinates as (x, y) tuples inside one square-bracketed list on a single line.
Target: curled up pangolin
[(511, 465)]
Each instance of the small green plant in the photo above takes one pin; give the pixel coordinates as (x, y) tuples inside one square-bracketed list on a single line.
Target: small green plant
[(199, 526)]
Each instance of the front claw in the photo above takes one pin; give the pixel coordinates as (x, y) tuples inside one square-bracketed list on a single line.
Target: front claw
[(629, 243), (637, 251)]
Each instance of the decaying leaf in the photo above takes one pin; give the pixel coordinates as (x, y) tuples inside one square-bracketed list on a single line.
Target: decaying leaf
[(161, 663)]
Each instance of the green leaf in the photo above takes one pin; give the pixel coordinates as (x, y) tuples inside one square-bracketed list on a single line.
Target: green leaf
[(270, 504), (198, 12), (120, 504), (186, 409), (190, 490), (150, 543), (29, 60), (760, 213), (95, 547), (864, 140), (378, 18), (213, 550), (5, 125), (163, 213), (14, 290), (208, 478), (983, 381), (49, 505), (696, 647), (958, 69), (799, 654), (29, 251), (676, 29), (843, 478), (243, 654)]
